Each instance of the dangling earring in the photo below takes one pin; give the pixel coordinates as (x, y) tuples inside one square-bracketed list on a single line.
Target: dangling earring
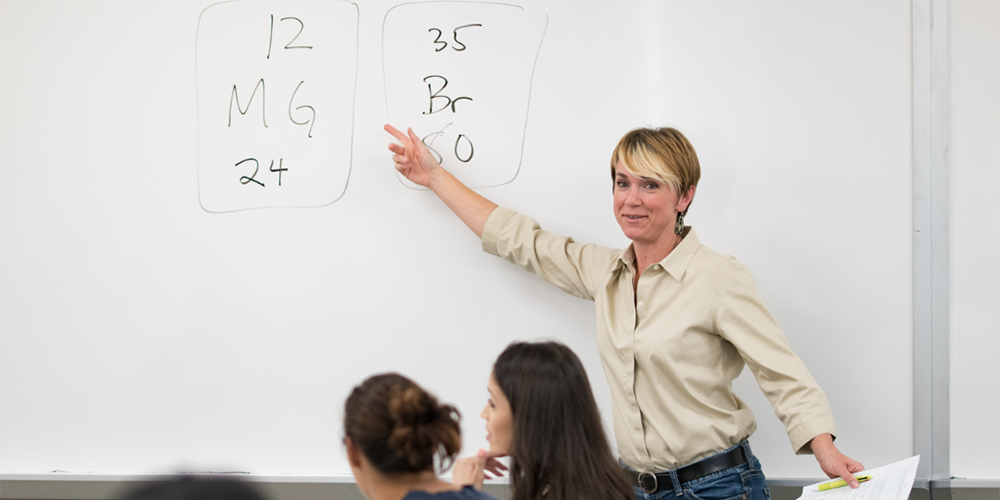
[(679, 227)]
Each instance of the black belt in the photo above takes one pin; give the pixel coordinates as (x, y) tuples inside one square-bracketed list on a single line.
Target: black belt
[(652, 483)]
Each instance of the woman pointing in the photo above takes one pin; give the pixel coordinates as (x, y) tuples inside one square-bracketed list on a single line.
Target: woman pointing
[(676, 323)]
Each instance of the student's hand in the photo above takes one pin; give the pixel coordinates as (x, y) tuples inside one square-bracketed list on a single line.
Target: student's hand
[(473, 470), (412, 157), (833, 462)]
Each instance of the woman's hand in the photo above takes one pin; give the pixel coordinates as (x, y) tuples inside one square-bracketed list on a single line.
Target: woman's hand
[(412, 157), (833, 462), (473, 470), (417, 164)]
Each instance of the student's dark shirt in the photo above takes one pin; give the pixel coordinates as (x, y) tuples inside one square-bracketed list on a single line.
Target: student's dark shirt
[(466, 493)]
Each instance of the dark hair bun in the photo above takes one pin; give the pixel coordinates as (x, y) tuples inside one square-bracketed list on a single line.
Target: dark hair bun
[(399, 426)]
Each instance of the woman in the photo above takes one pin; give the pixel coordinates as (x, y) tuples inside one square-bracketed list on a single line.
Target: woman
[(676, 322), (541, 413), (394, 431)]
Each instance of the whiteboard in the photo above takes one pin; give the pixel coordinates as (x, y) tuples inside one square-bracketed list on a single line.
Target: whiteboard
[(143, 329)]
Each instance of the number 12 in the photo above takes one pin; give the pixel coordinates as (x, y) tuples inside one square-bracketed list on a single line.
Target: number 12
[(289, 45)]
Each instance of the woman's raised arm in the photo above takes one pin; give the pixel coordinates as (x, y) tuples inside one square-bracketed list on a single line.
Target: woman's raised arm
[(417, 164)]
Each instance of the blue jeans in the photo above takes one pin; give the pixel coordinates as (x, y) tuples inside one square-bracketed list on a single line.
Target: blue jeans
[(743, 482)]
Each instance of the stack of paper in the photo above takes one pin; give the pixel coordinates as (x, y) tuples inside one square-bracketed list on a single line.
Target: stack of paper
[(891, 482)]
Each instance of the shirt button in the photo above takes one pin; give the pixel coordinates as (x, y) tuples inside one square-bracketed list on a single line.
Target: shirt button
[(639, 304)]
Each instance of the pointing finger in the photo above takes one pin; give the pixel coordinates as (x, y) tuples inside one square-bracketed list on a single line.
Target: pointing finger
[(395, 133)]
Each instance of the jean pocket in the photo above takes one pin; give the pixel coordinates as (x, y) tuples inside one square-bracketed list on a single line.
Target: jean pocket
[(725, 487), (755, 485)]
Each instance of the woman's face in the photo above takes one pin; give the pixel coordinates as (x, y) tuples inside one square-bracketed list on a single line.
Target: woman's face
[(646, 209), (499, 419)]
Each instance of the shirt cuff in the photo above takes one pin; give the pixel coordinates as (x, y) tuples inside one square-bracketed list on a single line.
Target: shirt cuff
[(802, 434), (494, 225)]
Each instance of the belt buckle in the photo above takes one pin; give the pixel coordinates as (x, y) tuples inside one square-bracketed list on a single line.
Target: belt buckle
[(647, 478)]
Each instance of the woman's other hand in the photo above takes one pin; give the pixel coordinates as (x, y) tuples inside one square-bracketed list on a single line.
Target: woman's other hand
[(473, 470), (412, 157), (833, 462)]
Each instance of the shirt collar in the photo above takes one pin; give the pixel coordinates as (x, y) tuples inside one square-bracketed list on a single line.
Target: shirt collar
[(675, 263), (626, 259)]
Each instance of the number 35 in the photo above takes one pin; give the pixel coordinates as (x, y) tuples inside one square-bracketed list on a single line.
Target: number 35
[(459, 46)]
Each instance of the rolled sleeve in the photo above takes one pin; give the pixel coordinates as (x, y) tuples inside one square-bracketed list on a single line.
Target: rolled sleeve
[(572, 267), (802, 434), (494, 225)]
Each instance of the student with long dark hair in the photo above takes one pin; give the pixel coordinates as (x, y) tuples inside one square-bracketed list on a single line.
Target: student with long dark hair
[(542, 414), (395, 432)]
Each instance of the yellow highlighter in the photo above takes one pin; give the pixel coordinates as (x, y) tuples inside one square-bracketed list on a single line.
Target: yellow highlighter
[(840, 482)]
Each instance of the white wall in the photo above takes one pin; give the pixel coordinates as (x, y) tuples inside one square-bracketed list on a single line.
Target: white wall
[(975, 238), (140, 333)]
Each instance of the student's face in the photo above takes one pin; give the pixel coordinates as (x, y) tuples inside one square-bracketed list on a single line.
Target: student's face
[(499, 420)]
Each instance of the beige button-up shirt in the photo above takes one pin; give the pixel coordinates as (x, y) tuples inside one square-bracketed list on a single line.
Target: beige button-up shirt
[(671, 349)]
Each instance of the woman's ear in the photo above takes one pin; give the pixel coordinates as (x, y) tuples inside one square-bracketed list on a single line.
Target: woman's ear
[(353, 453), (356, 458), (685, 200)]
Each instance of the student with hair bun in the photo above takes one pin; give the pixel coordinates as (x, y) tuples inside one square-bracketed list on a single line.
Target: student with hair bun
[(542, 414), (395, 433)]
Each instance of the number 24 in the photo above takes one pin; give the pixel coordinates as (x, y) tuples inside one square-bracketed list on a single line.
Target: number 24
[(247, 180)]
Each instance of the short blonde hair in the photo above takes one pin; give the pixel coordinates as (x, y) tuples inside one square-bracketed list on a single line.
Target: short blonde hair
[(658, 153)]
